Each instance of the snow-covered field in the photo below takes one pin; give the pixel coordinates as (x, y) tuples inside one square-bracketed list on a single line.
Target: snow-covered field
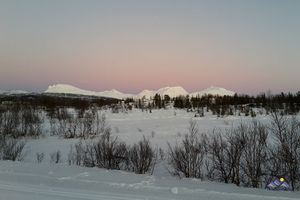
[(160, 126), (30, 180)]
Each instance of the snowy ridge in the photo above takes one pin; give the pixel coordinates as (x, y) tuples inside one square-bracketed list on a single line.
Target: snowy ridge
[(13, 92), (213, 91), (69, 89), (114, 94), (172, 91), (147, 94)]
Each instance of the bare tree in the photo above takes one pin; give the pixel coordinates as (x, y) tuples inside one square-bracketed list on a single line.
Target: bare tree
[(40, 157), (255, 153), (55, 157), (141, 157), (286, 151), (187, 158), (10, 123), (11, 149), (30, 122), (110, 153), (225, 153)]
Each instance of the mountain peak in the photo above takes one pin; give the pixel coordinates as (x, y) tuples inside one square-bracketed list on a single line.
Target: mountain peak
[(69, 89), (213, 90), (148, 94), (172, 91), (13, 92)]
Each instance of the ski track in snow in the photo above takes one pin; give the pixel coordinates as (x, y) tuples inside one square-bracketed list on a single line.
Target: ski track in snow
[(56, 193), (70, 194)]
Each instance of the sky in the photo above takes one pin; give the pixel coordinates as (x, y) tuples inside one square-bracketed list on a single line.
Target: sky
[(248, 46)]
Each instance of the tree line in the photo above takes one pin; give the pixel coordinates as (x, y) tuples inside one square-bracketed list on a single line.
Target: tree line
[(287, 103)]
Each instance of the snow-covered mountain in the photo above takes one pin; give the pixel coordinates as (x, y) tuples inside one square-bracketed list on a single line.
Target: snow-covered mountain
[(170, 91), (213, 91), (69, 89), (114, 94), (13, 92), (147, 94)]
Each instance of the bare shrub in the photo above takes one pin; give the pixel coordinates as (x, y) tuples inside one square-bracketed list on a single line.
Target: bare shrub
[(55, 157), (11, 149), (187, 158), (77, 154), (141, 157), (10, 123), (30, 122), (285, 153), (254, 158), (40, 157), (86, 124), (101, 123), (161, 154), (225, 154), (110, 153)]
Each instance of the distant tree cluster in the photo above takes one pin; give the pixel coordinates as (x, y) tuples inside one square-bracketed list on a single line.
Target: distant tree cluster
[(20, 121), (51, 102), (77, 123), (288, 104)]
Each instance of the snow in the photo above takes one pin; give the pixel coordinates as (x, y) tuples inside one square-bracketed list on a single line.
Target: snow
[(160, 126), (172, 91), (69, 89), (31, 181), (213, 91), (13, 92), (114, 94), (148, 94)]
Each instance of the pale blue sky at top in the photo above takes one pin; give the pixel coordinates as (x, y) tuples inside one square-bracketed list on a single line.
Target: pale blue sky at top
[(246, 46)]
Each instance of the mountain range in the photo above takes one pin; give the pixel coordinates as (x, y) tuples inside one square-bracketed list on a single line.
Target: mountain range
[(170, 91), (13, 92)]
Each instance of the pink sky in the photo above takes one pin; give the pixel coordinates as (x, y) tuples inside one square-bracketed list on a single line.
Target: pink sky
[(247, 47)]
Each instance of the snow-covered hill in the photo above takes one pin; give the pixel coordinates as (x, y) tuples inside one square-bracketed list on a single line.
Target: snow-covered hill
[(13, 92), (114, 94), (148, 94), (172, 91), (69, 89), (213, 91)]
